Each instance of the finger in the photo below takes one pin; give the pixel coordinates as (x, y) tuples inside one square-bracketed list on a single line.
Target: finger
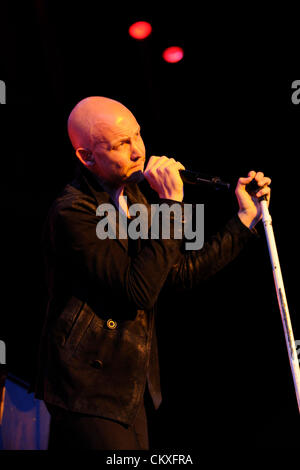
[(261, 179), (174, 164), (266, 191), (264, 181), (160, 166), (163, 163), (170, 167), (155, 160), (171, 162), (244, 181), (259, 176), (180, 166), (151, 162)]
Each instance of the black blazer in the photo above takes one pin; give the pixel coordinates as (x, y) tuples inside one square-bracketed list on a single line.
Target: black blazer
[(98, 345)]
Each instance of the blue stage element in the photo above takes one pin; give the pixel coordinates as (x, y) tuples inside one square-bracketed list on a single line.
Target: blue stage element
[(25, 423)]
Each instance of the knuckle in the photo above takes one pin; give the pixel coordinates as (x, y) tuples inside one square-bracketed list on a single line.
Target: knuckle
[(150, 173)]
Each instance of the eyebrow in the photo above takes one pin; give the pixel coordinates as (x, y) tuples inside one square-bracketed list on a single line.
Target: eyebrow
[(124, 137), (120, 139)]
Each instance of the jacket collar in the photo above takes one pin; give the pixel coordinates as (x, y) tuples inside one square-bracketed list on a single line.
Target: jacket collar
[(87, 182)]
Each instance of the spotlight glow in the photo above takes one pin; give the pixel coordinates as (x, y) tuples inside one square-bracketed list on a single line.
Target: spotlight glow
[(140, 30), (173, 54)]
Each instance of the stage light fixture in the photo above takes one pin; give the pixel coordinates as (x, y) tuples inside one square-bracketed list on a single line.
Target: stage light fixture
[(140, 30), (173, 54)]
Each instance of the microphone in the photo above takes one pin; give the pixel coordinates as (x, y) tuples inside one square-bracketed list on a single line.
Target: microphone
[(193, 177), (215, 182)]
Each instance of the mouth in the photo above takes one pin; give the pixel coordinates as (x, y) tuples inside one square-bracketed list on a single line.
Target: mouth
[(139, 165)]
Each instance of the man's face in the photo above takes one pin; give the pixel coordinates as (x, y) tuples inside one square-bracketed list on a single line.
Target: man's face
[(119, 150)]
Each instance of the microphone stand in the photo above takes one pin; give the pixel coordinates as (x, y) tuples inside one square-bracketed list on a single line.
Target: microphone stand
[(191, 177), (281, 297)]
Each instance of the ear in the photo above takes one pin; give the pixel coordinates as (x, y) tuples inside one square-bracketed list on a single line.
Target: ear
[(85, 156)]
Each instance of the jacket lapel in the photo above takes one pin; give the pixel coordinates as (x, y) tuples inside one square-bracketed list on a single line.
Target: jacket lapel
[(134, 196)]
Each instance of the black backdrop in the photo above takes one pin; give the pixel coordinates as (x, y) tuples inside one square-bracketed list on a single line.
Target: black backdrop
[(221, 110)]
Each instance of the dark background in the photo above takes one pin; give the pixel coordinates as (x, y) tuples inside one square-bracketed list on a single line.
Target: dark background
[(222, 110)]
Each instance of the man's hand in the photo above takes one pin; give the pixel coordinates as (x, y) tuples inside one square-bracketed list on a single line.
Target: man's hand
[(162, 173), (249, 206)]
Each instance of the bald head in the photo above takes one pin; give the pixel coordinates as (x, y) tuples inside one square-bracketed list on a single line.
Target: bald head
[(94, 119), (107, 140)]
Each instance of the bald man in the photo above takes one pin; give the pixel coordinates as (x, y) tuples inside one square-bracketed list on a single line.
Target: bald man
[(98, 353)]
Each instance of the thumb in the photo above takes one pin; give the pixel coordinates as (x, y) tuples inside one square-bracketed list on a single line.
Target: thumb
[(248, 179)]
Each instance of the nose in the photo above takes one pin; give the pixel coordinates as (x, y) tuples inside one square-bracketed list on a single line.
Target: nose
[(136, 151)]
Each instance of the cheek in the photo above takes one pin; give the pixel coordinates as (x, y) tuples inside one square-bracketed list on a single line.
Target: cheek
[(121, 162), (141, 146), (105, 167)]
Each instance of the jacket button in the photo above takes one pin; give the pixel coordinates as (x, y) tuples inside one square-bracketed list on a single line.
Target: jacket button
[(111, 324), (97, 364)]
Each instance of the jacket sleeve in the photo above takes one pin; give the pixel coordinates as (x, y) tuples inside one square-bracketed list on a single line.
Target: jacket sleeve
[(104, 266), (196, 266)]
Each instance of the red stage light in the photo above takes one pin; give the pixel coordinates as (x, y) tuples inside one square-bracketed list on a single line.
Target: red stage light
[(140, 30), (173, 54)]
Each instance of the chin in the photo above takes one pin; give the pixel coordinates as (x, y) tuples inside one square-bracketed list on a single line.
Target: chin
[(136, 177)]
